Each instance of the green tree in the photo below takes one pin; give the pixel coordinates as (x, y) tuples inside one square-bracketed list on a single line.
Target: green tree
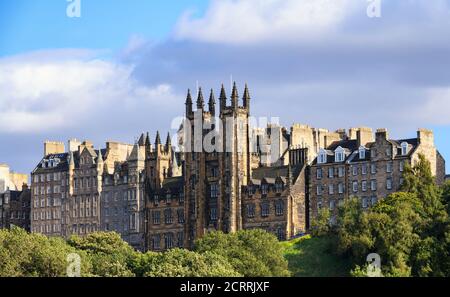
[(320, 226), (109, 254), (184, 263), (251, 252)]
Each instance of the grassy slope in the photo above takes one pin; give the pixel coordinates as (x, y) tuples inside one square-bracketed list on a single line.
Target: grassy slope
[(309, 256)]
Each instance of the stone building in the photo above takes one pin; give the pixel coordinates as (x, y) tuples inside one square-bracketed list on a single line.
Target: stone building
[(71, 191), (15, 208), (11, 180), (164, 209), (247, 179), (367, 168)]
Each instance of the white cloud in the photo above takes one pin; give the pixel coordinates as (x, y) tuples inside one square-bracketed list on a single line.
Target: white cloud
[(39, 93), (245, 21)]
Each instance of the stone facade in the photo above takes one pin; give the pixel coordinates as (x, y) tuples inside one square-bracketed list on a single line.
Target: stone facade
[(12, 181), (358, 167), (15, 209), (239, 184), (71, 191)]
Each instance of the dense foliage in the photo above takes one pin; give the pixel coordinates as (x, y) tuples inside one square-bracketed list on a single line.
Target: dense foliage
[(252, 253), (107, 255), (410, 230)]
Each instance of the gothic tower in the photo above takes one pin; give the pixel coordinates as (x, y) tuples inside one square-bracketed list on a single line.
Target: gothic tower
[(217, 163)]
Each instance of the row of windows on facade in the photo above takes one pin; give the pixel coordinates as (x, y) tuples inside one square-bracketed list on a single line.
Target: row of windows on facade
[(264, 189), (339, 153), (49, 228), (356, 169), (168, 216), (47, 177), (365, 202), (49, 202), (46, 215), (132, 224), (43, 190), (127, 195), (6, 200), (16, 215), (265, 209), (169, 240), (355, 186), (168, 198)]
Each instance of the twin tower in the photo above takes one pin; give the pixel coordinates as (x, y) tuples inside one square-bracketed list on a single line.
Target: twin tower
[(213, 179)]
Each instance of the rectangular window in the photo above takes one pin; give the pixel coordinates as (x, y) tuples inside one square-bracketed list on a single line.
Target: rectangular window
[(168, 217), (319, 173), (264, 189), (180, 238), (364, 186), (279, 208), (214, 190), (389, 167), (341, 188), (319, 189), (180, 214), (402, 166), (341, 171), (265, 209), (373, 185), (364, 202), (364, 169), (156, 241), (373, 168), (355, 186), (331, 189), (389, 184), (355, 170), (331, 172), (250, 210), (156, 215), (332, 204)]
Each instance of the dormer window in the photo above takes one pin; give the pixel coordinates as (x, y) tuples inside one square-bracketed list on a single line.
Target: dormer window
[(339, 155), (322, 157), (279, 187), (264, 189), (404, 148), (362, 152)]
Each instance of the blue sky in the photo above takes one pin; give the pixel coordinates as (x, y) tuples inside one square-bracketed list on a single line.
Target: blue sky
[(124, 67)]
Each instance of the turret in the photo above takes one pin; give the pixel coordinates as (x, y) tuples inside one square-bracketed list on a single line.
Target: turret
[(246, 98), (168, 142), (200, 101), (188, 103), (222, 99), (157, 140), (234, 97), (212, 103)]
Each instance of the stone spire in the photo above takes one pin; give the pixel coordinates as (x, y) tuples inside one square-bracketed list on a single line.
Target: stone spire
[(223, 98), (188, 103), (200, 101), (212, 103), (158, 139), (168, 142), (246, 97), (147, 139), (234, 96)]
